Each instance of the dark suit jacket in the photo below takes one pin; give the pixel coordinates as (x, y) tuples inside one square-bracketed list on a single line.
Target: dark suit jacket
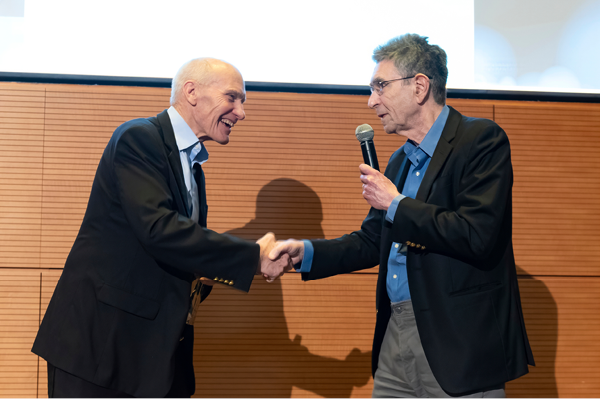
[(118, 311), (460, 263)]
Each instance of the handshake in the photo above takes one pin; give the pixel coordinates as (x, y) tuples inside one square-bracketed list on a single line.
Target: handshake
[(278, 257)]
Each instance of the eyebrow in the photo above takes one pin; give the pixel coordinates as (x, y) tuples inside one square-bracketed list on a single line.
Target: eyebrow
[(376, 80), (237, 95)]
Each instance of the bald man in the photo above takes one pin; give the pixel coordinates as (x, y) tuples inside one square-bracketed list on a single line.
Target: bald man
[(118, 324)]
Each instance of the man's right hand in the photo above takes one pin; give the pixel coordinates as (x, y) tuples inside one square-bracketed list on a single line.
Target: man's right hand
[(271, 268), (293, 248)]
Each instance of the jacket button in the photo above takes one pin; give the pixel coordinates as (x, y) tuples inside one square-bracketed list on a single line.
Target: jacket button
[(408, 243), (230, 283)]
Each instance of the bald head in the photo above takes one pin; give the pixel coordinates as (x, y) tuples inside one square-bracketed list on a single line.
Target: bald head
[(205, 71), (209, 95)]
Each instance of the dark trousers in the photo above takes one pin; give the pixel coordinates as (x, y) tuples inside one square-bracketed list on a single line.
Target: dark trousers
[(61, 384)]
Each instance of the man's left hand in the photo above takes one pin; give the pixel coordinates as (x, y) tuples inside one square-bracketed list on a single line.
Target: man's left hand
[(378, 190)]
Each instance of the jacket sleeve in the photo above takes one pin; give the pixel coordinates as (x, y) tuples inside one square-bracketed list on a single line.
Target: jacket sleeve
[(142, 177), (355, 251)]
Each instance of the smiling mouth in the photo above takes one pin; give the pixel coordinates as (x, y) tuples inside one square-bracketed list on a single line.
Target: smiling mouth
[(227, 122)]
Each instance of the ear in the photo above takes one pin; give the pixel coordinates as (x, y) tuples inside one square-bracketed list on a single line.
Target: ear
[(422, 87), (190, 92)]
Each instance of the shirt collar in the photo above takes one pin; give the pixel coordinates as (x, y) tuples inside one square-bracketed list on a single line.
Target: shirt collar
[(186, 139), (429, 143)]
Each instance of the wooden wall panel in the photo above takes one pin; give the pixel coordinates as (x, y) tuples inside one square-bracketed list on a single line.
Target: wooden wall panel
[(562, 315), (19, 320), (287, 339), (79, 123), (292, 168), (555, 151), (474, 108), (21, 164)]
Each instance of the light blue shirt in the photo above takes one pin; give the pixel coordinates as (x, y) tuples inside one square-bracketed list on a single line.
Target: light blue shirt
[(191, 151), (419, 156)]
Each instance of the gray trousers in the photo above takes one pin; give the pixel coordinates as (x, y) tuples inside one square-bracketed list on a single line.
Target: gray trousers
[(403, 370)]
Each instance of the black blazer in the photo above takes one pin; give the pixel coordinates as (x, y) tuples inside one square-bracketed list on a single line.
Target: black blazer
[(118, 311), (460, 263)]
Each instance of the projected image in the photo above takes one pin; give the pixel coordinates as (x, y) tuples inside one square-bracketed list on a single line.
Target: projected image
[(313, 41), (537, 45), (532, 45)]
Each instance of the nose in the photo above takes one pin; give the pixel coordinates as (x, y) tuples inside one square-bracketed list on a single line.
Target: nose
[(373, 100), (239, 111)]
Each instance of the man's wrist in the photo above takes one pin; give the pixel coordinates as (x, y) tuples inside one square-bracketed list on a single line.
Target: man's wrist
[(391, 211), (306, 264)]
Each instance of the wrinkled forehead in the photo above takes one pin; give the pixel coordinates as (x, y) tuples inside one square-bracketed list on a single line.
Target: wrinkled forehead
[(383, 71)]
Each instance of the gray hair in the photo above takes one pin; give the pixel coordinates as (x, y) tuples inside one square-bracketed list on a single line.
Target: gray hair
[(412, 54), (198, 70)]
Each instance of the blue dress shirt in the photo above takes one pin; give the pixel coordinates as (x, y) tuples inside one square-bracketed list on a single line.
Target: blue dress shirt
[(419, 156), (191, 151)]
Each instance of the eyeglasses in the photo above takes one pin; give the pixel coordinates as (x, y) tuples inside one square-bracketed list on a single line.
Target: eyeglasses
[(378, 86)]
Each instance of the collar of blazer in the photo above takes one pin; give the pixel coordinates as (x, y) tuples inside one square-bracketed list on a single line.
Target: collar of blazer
[(166, 130)]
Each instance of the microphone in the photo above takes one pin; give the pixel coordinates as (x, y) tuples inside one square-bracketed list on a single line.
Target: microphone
[(364, 134)]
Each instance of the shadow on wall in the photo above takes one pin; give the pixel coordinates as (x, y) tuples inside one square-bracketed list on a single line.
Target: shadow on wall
[(243, 347), (541, 320)]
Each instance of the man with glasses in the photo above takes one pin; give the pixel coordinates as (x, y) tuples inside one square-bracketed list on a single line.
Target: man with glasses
[(449, 319)]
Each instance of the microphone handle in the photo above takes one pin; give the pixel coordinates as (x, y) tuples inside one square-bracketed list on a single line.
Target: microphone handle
[(369, 155)]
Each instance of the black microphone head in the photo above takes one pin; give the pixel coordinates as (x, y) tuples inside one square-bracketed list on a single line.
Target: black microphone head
[(364, 132)]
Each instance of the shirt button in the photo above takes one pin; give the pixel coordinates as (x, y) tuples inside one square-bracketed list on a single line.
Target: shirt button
[(395, 276), (418, 173), (396, 245)]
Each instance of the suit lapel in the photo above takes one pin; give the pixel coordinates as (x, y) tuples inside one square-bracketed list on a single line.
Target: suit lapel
[(440, 155), (174, 159)]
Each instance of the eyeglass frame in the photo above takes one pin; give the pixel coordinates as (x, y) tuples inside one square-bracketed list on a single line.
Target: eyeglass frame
[(383, 84)]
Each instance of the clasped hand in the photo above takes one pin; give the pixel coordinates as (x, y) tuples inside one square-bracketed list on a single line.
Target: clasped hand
[(272, 268)]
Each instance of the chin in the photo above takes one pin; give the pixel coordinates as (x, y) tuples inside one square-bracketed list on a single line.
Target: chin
[(388, 130)]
